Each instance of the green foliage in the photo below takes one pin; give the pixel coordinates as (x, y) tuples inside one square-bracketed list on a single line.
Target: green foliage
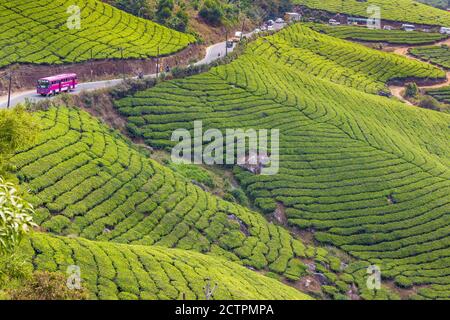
[(212, 12), (16, 218), (105, 32), (439, 55), (193, 173), (44, 285), (18, 129), (440, 94), (89, 181), (428, 102), (379, 35), (412, 90), (345, 152), (398, 10), (116, 271)]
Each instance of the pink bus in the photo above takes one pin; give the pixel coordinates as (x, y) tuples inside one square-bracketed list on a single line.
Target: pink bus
[(56, 84)]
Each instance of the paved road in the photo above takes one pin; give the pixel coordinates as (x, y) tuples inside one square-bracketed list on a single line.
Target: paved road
[(213, 53)]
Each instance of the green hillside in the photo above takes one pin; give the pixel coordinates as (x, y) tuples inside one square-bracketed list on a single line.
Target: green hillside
[(116, 271), (87, 180), (442, 4), (366, 173), (395, 10), (379, 35), (439, 55), (441, 94), (38, 32)]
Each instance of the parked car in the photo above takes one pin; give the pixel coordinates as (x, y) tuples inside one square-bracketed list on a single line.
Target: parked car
[(388, 28), (279, 20)]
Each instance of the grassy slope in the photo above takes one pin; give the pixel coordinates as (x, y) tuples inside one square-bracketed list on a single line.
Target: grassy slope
[(439, 55), (379, 35), (341, 61), (86, 180), (396, 10), (37, 32), (369, 174), (117, 271)]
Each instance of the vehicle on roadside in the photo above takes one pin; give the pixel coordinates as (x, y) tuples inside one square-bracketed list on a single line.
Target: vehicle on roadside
[(279, 20), (57, 84), (270, 23), (386, 27), (444, 30)]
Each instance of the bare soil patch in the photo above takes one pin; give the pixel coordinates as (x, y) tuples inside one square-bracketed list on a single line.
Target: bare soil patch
[(26, 75)]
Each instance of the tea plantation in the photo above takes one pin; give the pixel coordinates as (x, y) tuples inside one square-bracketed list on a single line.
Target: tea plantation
[(340, 61), (363, 172), (437, 55), (115, 271), (398, 10), (441, 94), (379, 35), (49, 32)]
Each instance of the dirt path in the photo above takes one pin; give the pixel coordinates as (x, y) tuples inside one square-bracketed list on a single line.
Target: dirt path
[(404, 51)]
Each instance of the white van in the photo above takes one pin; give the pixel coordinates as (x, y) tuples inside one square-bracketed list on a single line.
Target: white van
[(445, 30)]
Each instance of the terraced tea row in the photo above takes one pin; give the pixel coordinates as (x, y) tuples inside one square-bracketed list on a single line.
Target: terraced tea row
[(394, 10), (116, 271), (88, 181), (50, 32), (379, 35), (441, 94), (340, 61), (437, 55), (360, 171)]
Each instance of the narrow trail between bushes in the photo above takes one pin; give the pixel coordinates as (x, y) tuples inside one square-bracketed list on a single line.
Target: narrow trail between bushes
[(214, 52)]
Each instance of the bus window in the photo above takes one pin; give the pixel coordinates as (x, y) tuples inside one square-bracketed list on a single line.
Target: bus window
[(43, 84)]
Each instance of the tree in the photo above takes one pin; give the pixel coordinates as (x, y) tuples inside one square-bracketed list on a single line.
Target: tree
[(139, 8), (180, 21), (18, 128), (164, 10), (411, 90), (212, 12), (16, 218)]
